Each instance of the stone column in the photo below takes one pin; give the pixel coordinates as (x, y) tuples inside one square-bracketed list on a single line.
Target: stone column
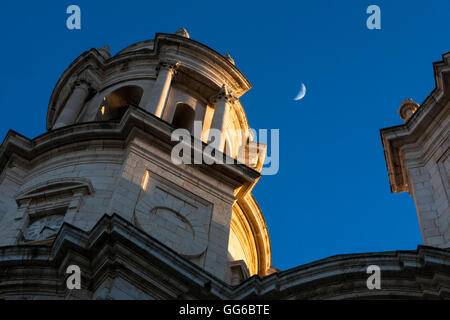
[(161, 88), (223, 101), (73, 105)]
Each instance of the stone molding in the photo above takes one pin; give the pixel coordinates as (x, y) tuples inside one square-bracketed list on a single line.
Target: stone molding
[(396, 139), (135, 119), (145, 263), (55, 187)]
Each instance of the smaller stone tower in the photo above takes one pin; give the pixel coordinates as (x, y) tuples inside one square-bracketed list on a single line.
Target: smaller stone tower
[(417, 157), (105, 163)]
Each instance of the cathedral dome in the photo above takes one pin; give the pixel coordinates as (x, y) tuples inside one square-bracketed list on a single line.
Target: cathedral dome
[(142, 45)]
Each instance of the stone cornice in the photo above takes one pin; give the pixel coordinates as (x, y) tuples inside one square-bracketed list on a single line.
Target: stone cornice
[(419, 274), (54, 187), (237, 175), (130, 243), (147, 264), (161, 39)]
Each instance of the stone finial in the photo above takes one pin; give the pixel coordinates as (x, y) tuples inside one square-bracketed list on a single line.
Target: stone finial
[(229, 58), (182, 33), (105, 52), (407, 109)]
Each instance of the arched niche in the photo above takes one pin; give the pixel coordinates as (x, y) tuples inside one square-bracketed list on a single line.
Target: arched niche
[(116, 103), (183, 117)]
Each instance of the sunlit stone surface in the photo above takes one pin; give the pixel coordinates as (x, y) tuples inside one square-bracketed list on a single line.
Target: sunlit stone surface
[(99, 190)]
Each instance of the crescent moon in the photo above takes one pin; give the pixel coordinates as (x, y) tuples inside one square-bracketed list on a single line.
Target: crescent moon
[(301, 93)]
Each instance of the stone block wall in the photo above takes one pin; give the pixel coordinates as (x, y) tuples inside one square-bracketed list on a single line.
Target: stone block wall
[(182, 207)]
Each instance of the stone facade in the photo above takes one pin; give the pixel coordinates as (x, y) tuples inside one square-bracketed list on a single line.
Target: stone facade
[(99, 190), (119, 261), (417, 156)]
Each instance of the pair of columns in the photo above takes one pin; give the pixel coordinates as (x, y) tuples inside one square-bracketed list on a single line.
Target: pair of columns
[(82, 89), (160, 92), (155, 105), (70, 112)]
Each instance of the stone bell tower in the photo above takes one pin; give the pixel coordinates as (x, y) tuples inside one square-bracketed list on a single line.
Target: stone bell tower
[(104, 165), (417, 156)]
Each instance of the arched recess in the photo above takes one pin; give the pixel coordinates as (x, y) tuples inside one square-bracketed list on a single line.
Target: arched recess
[(242, 245), (250, 237), (184, 116), (116, 103)]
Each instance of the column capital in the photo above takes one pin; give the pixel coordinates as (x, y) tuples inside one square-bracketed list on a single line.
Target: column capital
[(84, 84), (225, 94), (171, 66)]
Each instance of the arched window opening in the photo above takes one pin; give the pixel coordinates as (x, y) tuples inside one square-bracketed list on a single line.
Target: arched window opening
[(184, 117), (116, 103)]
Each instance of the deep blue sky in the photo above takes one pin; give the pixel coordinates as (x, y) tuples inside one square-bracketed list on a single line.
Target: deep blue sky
[(331, 195)]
